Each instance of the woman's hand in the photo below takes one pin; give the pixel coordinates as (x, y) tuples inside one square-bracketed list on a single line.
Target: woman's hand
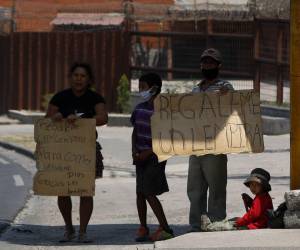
[(53, 113), (72, 118), (57, 117)]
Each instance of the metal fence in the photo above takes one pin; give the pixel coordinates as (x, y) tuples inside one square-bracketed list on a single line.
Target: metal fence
[(255, 53), (271, 54), (177, 54), (36, 64)]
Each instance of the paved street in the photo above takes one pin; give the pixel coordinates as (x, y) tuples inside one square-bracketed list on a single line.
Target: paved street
[(114, 221), (15, 185)]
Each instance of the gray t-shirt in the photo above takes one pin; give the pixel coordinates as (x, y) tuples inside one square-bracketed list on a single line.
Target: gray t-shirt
[(216, 86)]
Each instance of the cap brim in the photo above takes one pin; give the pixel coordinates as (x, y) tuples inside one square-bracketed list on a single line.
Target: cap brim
[(252, 179), (208, 56), (256, 179)]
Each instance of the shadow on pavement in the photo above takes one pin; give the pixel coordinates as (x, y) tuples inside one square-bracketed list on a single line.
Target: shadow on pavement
[(106, 234)]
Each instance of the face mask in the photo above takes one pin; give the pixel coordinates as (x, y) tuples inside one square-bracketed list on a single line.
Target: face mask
[(210, 74), (146, 95)]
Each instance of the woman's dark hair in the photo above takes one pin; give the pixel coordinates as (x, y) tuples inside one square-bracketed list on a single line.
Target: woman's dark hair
[(152, 79), (86, 67)]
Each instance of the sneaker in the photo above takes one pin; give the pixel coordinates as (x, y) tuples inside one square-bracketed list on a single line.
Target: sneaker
[(68, 236), (205, 222), (161, 234), (83, 238), (142, 234)]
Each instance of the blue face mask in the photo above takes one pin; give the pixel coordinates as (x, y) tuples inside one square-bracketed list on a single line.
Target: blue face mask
[(146, 95)]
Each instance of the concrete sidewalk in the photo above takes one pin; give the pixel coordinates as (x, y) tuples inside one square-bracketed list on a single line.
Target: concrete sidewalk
[(114, 221), (278, 239)]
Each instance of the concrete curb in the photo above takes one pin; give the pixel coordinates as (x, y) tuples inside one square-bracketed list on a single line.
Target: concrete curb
[(18, 149), (119, 120), (272, 124), (114, 120), (25, 117), (268, 110), (275, 125)]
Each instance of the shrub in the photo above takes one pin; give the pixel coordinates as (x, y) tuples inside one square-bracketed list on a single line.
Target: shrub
[(123, 94), (45, 100)]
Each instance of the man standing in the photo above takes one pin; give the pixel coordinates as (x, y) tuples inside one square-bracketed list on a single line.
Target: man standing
[(208, 172)]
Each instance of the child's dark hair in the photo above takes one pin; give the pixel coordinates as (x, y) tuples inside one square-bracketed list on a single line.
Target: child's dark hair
[(152, 79), (86, 67)]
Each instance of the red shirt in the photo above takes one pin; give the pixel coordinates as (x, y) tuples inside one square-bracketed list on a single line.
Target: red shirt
[(256, 217)]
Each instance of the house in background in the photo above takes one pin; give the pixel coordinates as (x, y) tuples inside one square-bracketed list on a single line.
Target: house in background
[(6, 22), (39, 15), (88, 22), (165, 35)]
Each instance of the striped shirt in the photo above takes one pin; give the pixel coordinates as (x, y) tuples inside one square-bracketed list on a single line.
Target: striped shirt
[(216, 86), (141, 121)]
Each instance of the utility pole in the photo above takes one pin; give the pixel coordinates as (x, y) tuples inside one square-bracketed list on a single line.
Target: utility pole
[(195, 16), (295, 93), (13, 16)]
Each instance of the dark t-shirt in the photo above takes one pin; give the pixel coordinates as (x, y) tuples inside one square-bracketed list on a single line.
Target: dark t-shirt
[(84, 105)]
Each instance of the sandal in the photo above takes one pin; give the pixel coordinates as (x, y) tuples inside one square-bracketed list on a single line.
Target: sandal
[(83, 238), (68, 236)]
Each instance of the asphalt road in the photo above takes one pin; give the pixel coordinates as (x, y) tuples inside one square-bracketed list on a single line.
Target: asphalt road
[(15, 185), (114, 222)]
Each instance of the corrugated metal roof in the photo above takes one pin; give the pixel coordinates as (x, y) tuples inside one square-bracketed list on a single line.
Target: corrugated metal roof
[(105, 19), (195, 2), (262, 8)]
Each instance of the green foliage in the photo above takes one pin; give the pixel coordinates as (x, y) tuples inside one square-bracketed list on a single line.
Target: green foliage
[(123, 94), (46, 99)]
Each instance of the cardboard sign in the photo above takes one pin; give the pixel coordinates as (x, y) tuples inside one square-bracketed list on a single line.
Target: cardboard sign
[(65, 157), (206, 123)]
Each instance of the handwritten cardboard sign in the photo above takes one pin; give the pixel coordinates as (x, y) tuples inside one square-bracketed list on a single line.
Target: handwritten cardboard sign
[(65, 158), (206, 123)]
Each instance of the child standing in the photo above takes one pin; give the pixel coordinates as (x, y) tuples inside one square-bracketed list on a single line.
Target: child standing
[(256, 216), (150, 174)]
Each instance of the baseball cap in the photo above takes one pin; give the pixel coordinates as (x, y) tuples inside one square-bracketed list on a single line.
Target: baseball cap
[(212, 53)]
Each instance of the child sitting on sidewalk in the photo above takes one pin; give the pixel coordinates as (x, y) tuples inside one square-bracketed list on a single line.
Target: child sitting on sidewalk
[(256, 217), (150, 174), (256, 209)]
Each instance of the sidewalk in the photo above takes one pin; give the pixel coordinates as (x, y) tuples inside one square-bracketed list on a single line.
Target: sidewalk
[(278, 239), (114, 221)]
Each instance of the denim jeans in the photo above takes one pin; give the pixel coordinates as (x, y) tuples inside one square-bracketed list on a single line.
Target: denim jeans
[(207, 173)]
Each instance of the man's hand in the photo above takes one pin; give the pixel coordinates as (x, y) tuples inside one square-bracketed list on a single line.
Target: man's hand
[(224, 90)]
